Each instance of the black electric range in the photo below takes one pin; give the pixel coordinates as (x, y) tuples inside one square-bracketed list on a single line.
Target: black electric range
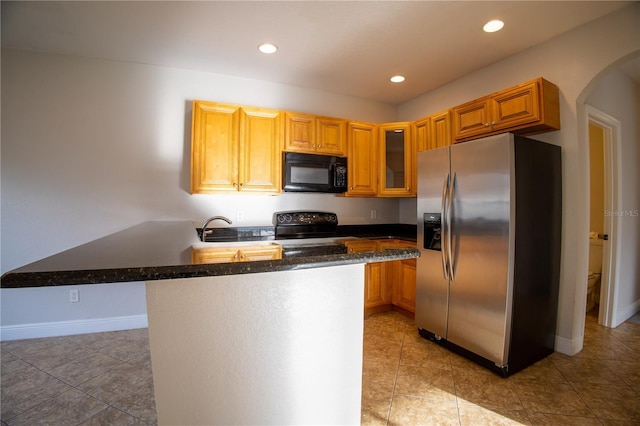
[(307, 233)]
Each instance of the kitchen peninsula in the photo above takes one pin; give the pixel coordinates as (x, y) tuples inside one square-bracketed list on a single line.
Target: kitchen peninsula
[(163, 250), (267, 341)]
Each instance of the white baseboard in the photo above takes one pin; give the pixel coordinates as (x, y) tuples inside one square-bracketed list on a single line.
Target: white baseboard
[(627, 312), (67, 328), (572, 347), (568, 346)]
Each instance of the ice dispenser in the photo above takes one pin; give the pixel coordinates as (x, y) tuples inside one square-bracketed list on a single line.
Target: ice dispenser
[(432, 231)]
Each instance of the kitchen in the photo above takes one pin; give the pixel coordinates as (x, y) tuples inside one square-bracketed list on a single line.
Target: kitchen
[(68, 194)]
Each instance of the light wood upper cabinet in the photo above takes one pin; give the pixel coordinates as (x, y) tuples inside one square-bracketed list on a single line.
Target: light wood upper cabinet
[(235, 149), (472, 119), (260, 162), (528, 108), (433, 131), (533, 107), (397, 160), (214, 147), (300, 132), (421, 129), (440, 130), (362, 171), (331, 136), (315, 134)]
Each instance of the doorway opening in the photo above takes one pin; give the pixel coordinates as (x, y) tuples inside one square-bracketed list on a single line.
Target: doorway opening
[(604, 134)]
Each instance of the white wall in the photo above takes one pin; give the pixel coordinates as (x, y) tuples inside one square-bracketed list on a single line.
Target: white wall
[(573, 61), (91, 147), (618, 96)]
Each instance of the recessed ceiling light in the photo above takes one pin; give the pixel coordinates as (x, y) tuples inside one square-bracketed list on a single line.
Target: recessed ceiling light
[(268, 48), (397, 79), (493, 26)]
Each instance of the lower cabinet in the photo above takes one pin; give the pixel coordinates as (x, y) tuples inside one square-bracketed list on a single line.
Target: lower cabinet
[(388, 285), (377, 294), (404, 295), (235, 254)]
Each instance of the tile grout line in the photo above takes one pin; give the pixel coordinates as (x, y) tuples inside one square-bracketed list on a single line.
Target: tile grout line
[(455, 390), (526, 412), (48, 399), (395, 382), (75, 387), (582, 399)]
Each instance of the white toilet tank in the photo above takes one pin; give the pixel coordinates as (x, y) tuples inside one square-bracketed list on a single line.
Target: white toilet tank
[(595, 269), (595, 255)]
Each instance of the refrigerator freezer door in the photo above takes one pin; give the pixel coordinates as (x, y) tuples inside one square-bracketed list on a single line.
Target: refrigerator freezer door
[(432, 286), (482, 216)]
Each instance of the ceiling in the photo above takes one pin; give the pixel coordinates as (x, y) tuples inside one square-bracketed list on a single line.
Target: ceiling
[(345, 47)]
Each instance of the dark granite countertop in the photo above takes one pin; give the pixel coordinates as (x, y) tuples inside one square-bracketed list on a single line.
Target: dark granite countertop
[(163, 250)]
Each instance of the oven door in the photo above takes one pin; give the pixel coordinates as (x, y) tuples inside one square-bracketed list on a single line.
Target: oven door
[(310, 173)]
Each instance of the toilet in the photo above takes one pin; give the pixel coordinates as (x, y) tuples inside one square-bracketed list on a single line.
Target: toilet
[(595, 269)]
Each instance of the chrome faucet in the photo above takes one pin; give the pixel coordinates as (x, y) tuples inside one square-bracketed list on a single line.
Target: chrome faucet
[(206, 223)]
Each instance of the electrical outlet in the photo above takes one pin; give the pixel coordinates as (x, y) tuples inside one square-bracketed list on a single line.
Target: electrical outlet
[(374, 214), (74, 296), (239, 216)]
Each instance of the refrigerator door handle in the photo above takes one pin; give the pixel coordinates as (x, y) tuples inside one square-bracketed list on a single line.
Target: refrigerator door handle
[(450, 200), (443, 227)]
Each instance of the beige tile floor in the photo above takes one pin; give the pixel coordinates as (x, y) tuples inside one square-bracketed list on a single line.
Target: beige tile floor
[(105, 379), (408, 380)]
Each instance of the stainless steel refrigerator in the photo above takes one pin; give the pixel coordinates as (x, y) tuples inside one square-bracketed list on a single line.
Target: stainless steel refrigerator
[(489, 224)]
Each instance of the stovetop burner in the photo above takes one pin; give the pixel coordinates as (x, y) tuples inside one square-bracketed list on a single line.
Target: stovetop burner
[(305, 224)]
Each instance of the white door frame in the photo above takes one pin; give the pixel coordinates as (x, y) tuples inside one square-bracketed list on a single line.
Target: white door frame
[(610, 266)]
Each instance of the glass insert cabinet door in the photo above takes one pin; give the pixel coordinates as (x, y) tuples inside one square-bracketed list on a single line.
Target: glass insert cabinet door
[(397, 160)]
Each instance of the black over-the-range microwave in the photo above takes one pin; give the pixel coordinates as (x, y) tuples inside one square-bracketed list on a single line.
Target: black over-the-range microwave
[(314, 173)]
